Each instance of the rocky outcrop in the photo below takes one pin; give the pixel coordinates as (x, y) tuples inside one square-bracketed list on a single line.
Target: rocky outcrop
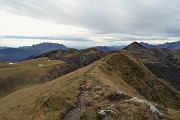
[(152, 108), (106, 112)]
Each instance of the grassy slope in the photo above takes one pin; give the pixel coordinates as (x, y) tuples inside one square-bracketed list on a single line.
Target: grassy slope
[(160, 62), (26, 73), (115, 72), (45, 101), (133, 72), (176, 53)]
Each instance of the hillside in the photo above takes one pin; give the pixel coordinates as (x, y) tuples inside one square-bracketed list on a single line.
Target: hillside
[(117, 86), (18, 75), (103, 48), (54, 64), (176, 53), (164, 63), (77, 58), (109, 48)]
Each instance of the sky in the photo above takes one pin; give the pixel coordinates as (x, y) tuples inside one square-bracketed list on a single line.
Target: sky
[(86, 23)]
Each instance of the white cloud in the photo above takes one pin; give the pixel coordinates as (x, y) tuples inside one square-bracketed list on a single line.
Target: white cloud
[(22, 25)]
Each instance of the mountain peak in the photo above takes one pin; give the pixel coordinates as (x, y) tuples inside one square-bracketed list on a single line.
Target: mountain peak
[(134, 46)]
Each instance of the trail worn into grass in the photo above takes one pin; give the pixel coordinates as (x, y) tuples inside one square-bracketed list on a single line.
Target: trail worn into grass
[(76, 113)]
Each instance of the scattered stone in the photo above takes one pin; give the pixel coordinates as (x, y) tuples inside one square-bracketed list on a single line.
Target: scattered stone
[(97, 97), (152, 108), (100, 93), (82, 87), (135, 99), (119, 95), (111, 105), (102, 112), (97, 88), (105, 112), (40, 65)]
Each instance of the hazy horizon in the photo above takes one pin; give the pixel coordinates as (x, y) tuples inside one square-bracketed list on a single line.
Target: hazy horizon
[(79, 47)]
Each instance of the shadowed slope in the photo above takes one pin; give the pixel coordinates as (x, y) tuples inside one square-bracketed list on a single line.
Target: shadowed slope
[(164, 63), (77, 58), (135, 74)]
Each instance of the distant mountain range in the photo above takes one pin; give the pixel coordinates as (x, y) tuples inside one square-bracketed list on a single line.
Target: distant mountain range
[(27, 52), (172, 45), (3, 47), (21, 53), (109, 48)]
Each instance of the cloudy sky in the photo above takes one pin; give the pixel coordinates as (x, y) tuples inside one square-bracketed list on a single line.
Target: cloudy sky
[(84, 23)]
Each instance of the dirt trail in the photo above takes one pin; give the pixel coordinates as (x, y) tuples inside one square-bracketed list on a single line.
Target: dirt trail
[(75, 113)]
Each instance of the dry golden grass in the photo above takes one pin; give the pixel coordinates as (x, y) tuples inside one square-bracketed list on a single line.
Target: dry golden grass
[(46, 101), (24, 74), (52, 100), (136, 75)]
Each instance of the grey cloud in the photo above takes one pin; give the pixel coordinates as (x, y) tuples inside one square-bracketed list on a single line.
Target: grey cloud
[(138, 17), (131, 39), (68, 38)]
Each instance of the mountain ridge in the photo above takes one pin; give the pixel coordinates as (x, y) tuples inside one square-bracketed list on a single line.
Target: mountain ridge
[(108, 82), (168, 45), (159, 61), (77, 58)]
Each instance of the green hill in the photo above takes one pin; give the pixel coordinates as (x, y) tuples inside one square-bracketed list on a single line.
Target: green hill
[(17, 75)]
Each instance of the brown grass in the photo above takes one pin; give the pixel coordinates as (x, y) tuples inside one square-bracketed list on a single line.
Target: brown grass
[(52, 100), (25, 74)]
